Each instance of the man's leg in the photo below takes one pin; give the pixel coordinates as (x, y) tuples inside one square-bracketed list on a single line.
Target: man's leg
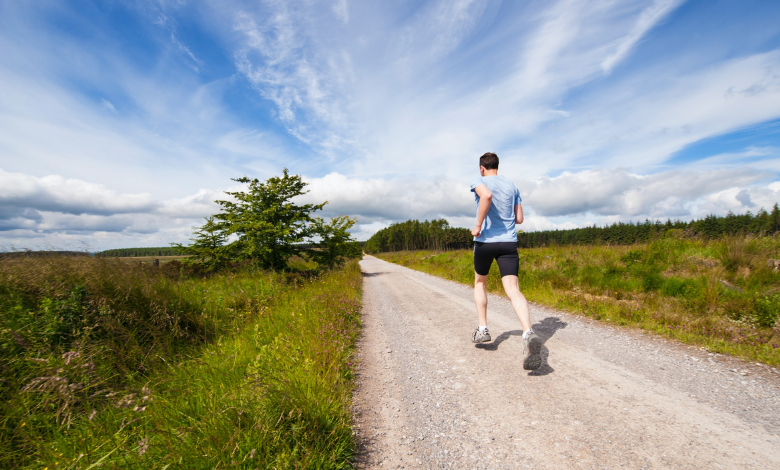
[(532, 344), (480, 297), (481, 334), (482, 261), (519, 304)]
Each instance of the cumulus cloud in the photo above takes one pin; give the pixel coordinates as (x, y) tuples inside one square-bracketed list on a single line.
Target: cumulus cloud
[(393, 199), (57, 210), (53, 204), (620, 192), (57, 194), (568, 200)]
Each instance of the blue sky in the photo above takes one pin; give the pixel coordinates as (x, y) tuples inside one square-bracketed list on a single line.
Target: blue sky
[(121, 122)]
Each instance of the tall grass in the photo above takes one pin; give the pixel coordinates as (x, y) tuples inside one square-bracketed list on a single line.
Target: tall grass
[(719, 294), (110, 365)]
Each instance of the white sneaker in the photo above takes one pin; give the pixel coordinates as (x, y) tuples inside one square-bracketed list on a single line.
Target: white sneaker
[(480, 336), (532, 352)]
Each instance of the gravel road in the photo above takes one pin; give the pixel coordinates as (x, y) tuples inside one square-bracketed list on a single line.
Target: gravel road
[(605, 397)]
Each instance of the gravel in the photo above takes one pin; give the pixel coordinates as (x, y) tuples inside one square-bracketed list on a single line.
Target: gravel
[(604, 397)]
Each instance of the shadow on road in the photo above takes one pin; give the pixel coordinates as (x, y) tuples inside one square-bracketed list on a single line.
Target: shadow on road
[(365, 274), (499, 339), (545, 329)]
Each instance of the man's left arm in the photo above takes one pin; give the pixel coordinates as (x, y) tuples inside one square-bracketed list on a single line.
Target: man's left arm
[(485, 199)]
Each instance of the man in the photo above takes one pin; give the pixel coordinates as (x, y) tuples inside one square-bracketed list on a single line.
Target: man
[(495, 237)]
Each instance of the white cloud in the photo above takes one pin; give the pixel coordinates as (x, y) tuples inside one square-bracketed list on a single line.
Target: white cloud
[(619, 192), (55, 193), (51, 207), (572, 199), (396, 199)]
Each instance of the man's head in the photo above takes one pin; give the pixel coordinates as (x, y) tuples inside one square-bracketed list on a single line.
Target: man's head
[(488, 162)]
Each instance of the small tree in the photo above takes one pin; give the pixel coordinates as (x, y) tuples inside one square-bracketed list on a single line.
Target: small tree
[(335, 243), (208, 246)]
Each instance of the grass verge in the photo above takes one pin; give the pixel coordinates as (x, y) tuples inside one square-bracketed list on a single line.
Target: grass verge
[(106, 365), (715, 294)]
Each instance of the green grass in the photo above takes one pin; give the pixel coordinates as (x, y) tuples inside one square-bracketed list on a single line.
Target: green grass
[(715, 294), (109, 365)]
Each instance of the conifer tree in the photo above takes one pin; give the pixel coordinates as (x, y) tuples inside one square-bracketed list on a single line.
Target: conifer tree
[(208, 246)]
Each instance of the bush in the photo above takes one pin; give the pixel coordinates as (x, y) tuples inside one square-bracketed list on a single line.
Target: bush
[(767, 309), (55, 304), (677, 287)]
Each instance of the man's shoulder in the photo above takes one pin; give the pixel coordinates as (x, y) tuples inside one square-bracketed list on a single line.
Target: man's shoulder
[(477, 181), (503, 181)]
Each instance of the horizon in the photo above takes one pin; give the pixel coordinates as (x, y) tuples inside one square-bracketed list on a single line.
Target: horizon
[(123, 122)]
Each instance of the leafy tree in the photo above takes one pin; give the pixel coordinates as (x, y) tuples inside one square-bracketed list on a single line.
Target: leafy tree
[(267, 228)]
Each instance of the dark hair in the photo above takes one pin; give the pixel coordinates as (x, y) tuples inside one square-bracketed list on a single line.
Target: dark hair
[(489, 161)]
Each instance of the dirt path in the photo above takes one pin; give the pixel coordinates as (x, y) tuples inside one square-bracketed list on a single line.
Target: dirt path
[(604, 398)]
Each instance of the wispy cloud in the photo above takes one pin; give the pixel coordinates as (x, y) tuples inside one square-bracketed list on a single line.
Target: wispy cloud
[(341, 10), (649, 17), (280, 58)]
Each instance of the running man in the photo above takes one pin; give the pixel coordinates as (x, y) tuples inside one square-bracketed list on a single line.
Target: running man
[(495, 237)]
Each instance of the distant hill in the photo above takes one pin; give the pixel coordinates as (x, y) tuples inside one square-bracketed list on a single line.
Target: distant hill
[(38, 254)]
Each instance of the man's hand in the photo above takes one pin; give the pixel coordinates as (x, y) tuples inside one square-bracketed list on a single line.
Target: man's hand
[(476, 230)]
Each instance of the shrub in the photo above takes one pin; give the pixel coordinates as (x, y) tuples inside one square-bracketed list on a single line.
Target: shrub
[(733, 252), (677, 287), (767, 309)]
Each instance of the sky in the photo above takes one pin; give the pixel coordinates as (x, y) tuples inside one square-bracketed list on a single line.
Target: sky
[(121, 122)]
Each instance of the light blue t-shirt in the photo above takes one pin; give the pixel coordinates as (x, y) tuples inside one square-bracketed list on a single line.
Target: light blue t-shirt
[(499, 225)]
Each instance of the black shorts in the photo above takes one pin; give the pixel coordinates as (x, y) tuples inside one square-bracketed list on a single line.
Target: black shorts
[(505, 253)]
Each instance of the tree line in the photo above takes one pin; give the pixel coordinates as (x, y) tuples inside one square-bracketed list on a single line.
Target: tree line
[(415, 235), (132, 252), (438, 235)]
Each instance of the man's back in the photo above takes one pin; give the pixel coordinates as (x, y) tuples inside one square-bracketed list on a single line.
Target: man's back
[(499, 224)]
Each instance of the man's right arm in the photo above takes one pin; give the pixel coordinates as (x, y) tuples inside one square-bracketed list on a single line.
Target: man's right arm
[(519, 214), (485, 199)]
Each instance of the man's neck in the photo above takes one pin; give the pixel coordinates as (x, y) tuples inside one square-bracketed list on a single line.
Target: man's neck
[(489, 172)]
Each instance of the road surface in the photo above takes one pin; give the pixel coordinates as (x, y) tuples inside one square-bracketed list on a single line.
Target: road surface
[(605, 397)]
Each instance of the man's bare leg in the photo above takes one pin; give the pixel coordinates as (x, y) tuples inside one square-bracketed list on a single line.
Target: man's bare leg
[(519, 304), (532, 344), (480, 297)]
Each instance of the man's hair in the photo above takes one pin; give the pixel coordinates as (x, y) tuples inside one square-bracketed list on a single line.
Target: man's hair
[(489, 161)]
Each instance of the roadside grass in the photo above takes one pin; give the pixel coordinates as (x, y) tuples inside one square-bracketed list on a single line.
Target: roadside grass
[(111, 365), (719, 294)]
